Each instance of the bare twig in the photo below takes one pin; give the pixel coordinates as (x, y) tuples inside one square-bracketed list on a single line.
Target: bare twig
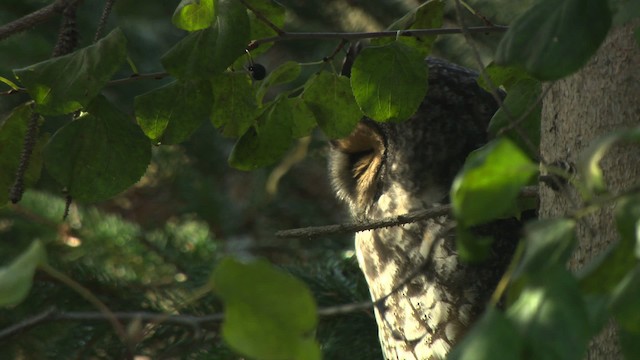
[(33, 19), (352, 36), (433, 212), (103, 19), (17, 189), (262, 18)]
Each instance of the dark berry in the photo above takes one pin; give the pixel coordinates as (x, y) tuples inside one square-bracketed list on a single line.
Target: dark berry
[(258, 71)]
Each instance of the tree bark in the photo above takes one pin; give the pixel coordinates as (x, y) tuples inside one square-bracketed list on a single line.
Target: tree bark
[(602, 97)]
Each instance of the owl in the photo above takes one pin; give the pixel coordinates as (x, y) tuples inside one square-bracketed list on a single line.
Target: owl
[(426, 297)]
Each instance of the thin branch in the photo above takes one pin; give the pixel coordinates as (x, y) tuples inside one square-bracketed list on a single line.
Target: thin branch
[(262, 18), (29, 142), (430, 213), (103, 19), (353, 36), (28, 21)]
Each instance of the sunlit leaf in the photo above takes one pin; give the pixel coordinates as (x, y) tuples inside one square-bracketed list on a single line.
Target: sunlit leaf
[(389, 82), (68, 83), (17, 277), (98, 155), (170, 114), (330, 99), (268, 314), (194, 15), (555, 37), (489, 183), (12, 132), (204, 53)]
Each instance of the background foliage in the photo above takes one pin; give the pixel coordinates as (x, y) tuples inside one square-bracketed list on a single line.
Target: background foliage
[(159, 204)]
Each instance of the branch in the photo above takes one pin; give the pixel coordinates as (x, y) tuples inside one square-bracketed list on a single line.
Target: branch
[(433, 212), (192, 321), (351, 36), (33, 19)]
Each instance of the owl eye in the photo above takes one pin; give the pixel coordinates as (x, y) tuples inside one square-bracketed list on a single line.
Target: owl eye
[(258, 72), (356, 161)]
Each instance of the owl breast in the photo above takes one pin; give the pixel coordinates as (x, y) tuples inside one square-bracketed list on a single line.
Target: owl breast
[(425, 297)]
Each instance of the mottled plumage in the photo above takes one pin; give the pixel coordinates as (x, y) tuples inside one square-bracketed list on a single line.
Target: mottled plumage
[(387, 169)]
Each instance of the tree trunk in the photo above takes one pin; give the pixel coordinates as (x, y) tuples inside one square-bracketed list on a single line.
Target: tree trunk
[(602, 97)]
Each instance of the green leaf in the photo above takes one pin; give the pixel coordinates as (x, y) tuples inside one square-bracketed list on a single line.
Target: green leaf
[(555, 37), (629, 343), (389, 82), (12, 132), (268, 314), (588, 163), (551, 307), (270, 10), (502, 76), (170, 114), (68, 83), (204, 53), (265, 143), (426, 16), (493, 337), (624, 304), (522, 110), (329, 98), (98, 155), (284, 73), (548, 242), (234, 105), (472, 247), (607, 270), (192, 15), (489, 183), (17, 277), (303, 120)]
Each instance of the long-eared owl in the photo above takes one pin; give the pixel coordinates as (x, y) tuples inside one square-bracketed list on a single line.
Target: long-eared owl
[(430, 297)]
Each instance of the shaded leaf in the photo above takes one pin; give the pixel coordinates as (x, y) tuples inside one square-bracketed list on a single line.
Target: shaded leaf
[(17, 277), (98, 155), (284, 73), (234, 105), (493, 337), (610, 267), (268, 313), (502, 76), (68, 83), (267, 141), (489, 183), (170, 114), (551, 307), (204, 53), (389, 82), (329, 98), (472, 247), (624, 304), (426, 16), (520, 101), (629, 343), (192, 15), (303, 120), (548, 242), (555, 37), (270, 10), (589, 161), (12, 132)]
